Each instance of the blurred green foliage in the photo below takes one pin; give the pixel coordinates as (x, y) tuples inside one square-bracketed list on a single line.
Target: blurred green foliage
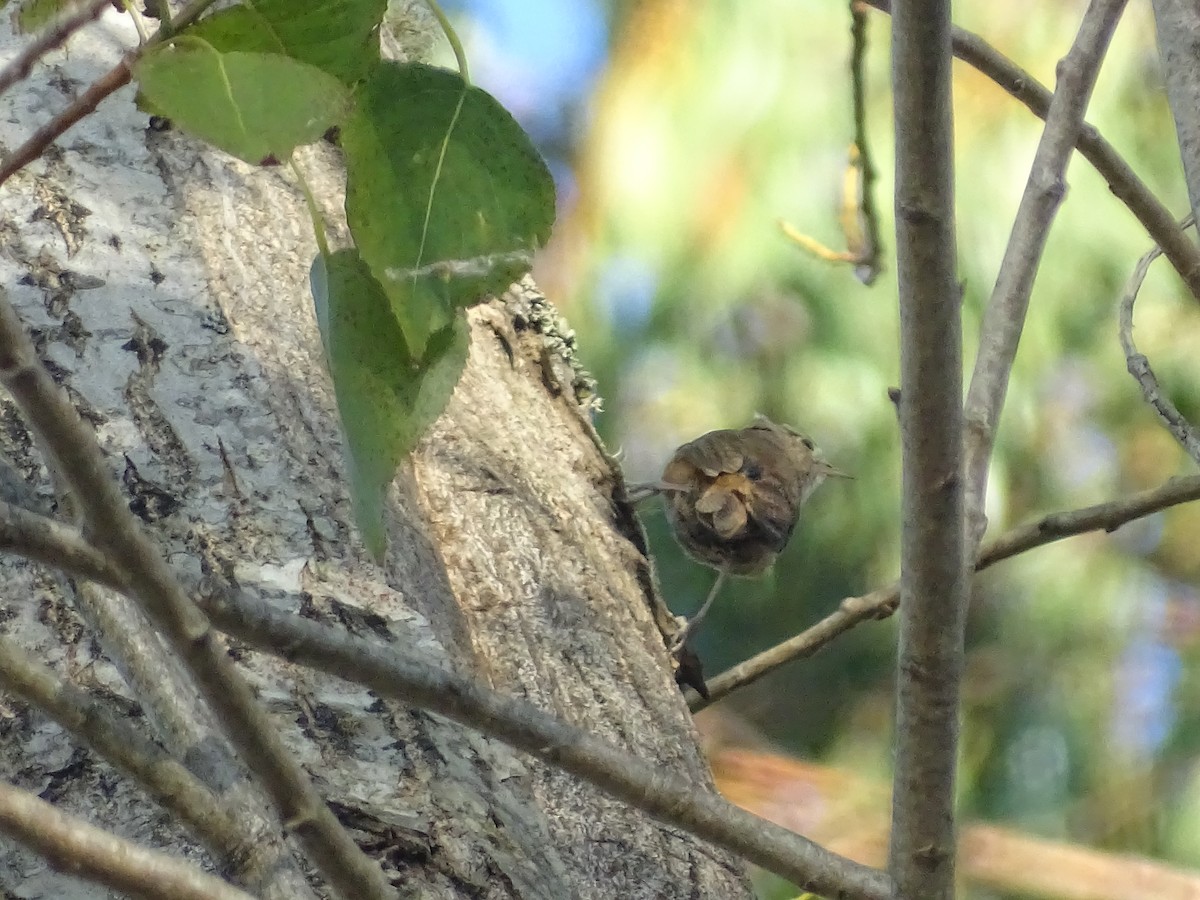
[(716, 120)]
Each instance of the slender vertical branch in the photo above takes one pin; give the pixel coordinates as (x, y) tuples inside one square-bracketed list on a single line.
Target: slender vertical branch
[(1177, 23), (867, 266), (1004, 317), (933, 586)]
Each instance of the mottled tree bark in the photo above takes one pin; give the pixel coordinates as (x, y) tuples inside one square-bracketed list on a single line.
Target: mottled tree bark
[(166, 287)]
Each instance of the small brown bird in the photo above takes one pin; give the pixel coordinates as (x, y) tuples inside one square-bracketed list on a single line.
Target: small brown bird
[(733, 498)]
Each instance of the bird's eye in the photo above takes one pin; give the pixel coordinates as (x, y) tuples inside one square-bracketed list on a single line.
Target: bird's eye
[(753, 471), (807, 442)]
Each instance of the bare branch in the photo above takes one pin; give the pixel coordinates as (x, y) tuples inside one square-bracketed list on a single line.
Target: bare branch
[(882, 603), (868, 266), (878, 604), (933, 586), (44, 540), (73, 846), (857, 213), (1177, 23), (117, 534), (112, 80), (170, 784), (1126, 186), (252, 848), (1004, 316), (1139, 366), (426, 684), (664, 795), (50, 39), (337, 653), (1102, 517)]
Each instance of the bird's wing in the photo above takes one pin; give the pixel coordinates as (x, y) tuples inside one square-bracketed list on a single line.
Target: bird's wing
[(724, 503), (712, 453)]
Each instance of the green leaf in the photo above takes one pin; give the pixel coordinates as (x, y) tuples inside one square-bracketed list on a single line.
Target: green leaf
[(340, 37), (252, 105), (445, 194), (385, 398)]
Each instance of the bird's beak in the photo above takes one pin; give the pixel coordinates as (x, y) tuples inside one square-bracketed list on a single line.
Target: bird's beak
[(832, 472)]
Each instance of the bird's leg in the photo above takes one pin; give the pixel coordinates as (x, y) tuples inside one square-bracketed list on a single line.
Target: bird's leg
[(695, 620), (644, 490)]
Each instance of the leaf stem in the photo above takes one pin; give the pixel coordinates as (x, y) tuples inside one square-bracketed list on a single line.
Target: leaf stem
[(162, 11), (186, 17), (314, 213), (139, 23), (452, 37)]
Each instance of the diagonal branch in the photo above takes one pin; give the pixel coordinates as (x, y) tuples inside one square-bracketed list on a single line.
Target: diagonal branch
[(1004, 316), (882, 603), (1125, 184), (104, 86), (50, 39), (664, 795), (72, 845), (424, 683), (42, 539), (170, 784), (72, 446)]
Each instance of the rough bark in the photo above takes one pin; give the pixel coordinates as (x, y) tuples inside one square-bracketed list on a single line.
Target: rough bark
[(166, 286)]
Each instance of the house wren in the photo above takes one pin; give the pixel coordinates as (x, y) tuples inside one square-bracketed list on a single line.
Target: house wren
[(733, 498)]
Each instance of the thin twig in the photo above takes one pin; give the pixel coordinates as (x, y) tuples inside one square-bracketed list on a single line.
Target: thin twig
[(858, 216), (1101, 517), (1177, 27), (112, 80), (850, 612), (933, 586), (1004, 316), (867, 266), (1139, 366), (170, 784), (405, 676), (881, 603), (1159, 222), (50, 39), (72, 446), (73, 846)]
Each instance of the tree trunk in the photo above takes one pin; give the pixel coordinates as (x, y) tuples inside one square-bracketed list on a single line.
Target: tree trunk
[(166, 287)]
